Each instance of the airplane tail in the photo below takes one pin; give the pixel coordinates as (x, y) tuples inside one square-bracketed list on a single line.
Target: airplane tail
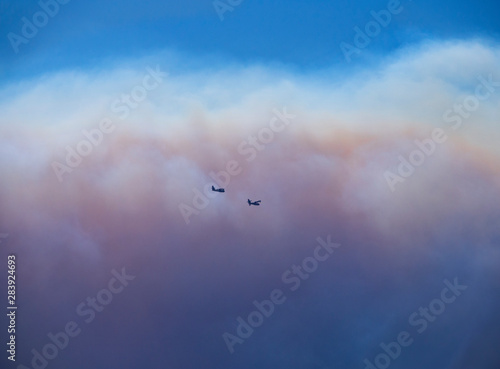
[(213, 188)]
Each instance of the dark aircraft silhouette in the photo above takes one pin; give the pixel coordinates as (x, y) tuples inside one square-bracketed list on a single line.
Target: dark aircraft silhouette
[(218, 189), (256, 203)]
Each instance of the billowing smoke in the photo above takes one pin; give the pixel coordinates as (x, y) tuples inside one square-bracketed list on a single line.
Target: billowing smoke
[(397, 165)]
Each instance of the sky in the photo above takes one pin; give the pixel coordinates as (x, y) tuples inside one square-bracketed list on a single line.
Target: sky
[(368, 130)]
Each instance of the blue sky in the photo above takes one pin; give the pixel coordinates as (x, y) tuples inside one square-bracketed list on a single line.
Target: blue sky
[(301, 34)]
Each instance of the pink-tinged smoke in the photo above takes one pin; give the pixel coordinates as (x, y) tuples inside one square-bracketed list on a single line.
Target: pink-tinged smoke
[(316, 149)]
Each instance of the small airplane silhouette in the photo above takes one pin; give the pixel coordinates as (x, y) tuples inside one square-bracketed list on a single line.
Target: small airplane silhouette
[(218, 189), (256, 203)]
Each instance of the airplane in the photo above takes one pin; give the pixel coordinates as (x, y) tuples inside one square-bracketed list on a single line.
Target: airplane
[(256, 203), (218, 189)]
